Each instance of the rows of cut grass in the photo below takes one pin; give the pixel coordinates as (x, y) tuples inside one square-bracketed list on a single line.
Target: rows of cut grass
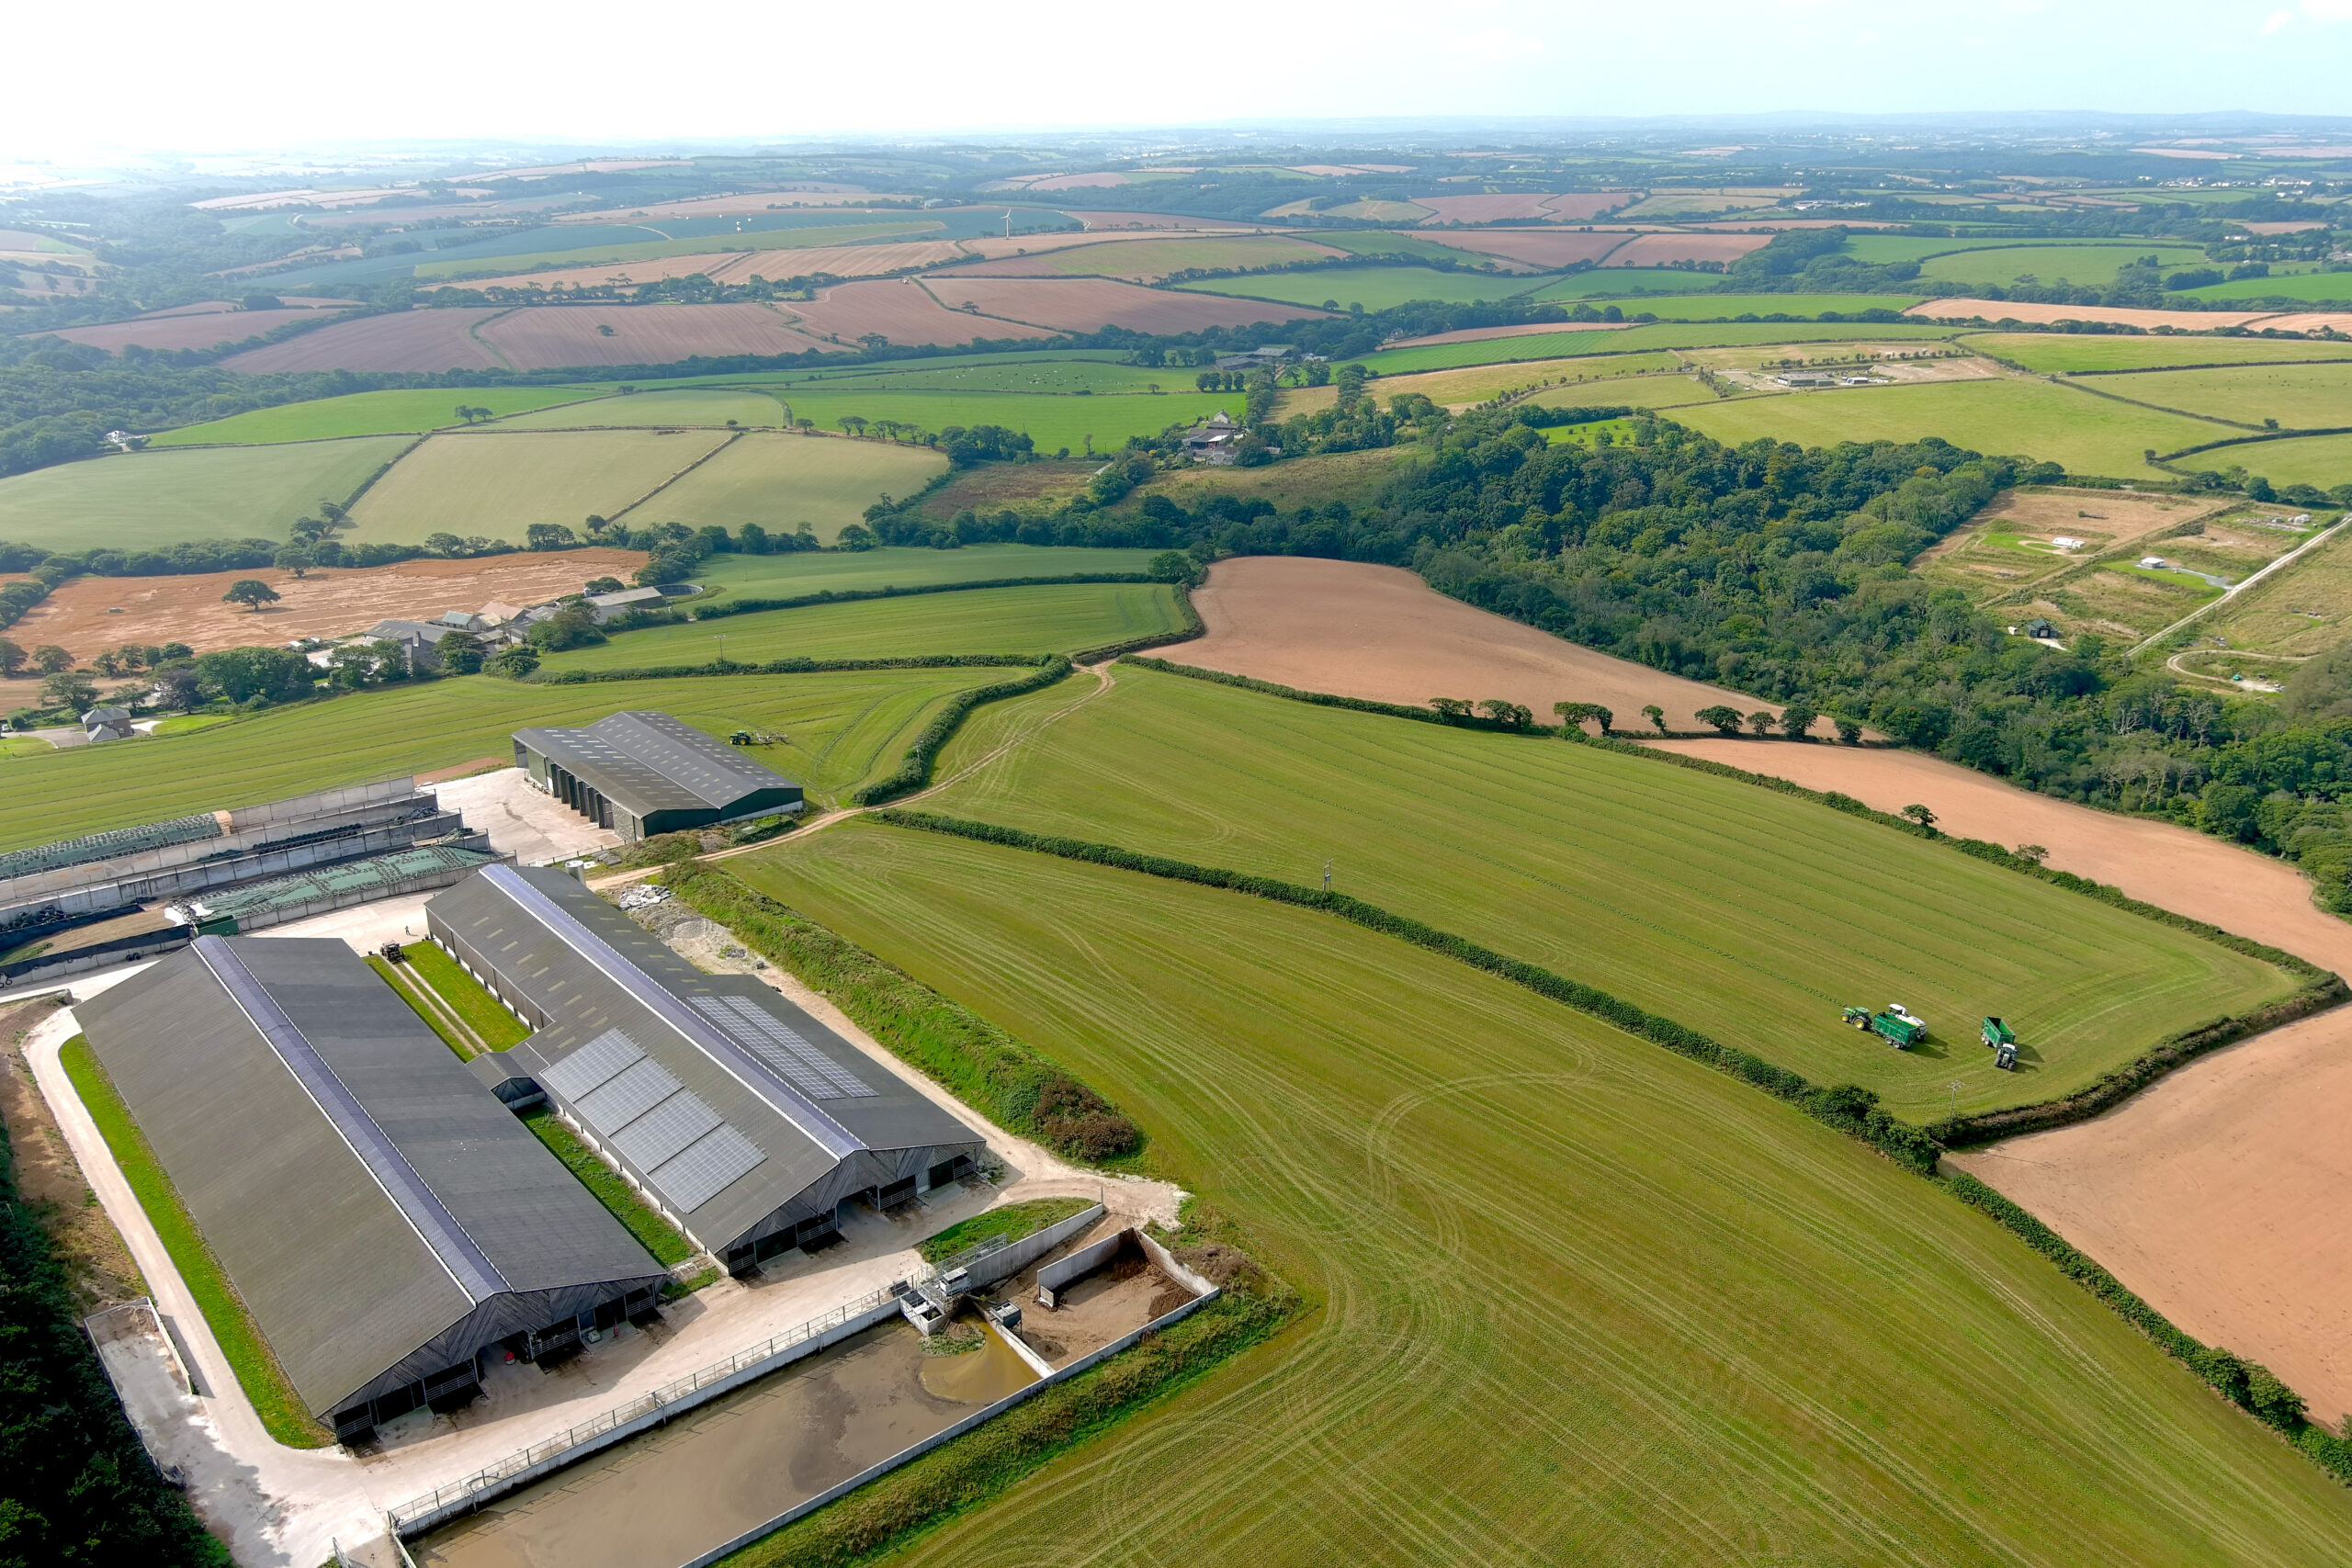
[(777, 577), (1062, 618), (2063, 352), (1635, 340), (151, 499), (264, 1383), (1739, 912), (839, 729), (780, 481), (370, 413), (2315, 287), (495, 485), (1100, 423), (1580, 1299)]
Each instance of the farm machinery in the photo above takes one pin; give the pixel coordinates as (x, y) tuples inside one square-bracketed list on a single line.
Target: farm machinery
[(2004, 1042), (1898, 1025)]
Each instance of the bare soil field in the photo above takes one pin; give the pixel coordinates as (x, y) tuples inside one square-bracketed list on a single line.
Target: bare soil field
[(198, 331), (1579, 207), (2218, 1195), (225, 307), (742, 204), (737, 266), (2019, 311), (1657, 250), (1381, 632), (1528, 329), (902, 310), (89, 615), (1145, 220), (1535, 247), (1090, 304), (1500, 209), (414, 340), (1079, 182), (1150, 260), (547, 336)]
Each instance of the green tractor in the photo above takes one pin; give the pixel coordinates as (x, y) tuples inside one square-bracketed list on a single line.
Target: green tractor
[(2003, 1041), (1898, 1025)]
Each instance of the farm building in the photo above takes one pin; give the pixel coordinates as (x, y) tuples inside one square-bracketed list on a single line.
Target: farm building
[(744, 1118), (385, 1220), (642, 774)]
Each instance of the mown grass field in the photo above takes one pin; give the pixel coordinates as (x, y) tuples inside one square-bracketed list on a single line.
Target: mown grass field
[(2318, 287), (2301, 397), (776, 577), (1035, 370), (781, 481), (370, 413), (2321, 460), (2050, 263), (2065, 352), (840, 729), (1059, 618), (1725, 307), (1051, 422), (1635, 340), (1579, 1300), (1619, 282), (2008, 417), (146, 500), (496, 486), (697, 405), (1374, 288), (1740, 912)]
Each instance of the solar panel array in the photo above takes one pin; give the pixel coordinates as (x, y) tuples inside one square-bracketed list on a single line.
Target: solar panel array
[(686, 1150), (782, 1049)]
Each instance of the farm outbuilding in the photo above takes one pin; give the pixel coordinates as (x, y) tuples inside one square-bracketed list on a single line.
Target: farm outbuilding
[(387, 1220), (744, 1118), (640, 774)]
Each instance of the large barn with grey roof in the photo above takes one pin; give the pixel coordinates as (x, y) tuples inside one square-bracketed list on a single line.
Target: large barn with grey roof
[(643, 772), (741, 1117), (387, 1220)]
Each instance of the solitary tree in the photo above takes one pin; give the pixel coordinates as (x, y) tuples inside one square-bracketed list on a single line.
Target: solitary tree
[(1760, 722), (1725, 719), (48, 658), (1656, 715), (252, 593), (1922, 815)]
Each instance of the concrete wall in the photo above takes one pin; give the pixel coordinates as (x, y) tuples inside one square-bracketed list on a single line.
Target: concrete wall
[(1007, 1262)]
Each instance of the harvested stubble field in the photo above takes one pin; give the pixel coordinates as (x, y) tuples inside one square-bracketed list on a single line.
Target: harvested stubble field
[(1730, 908), (370, 413), (1055, 618), (1053, 422), (1374, 288), (781, 481), (407, 340), (843, 729), (145, 500), (1091, 304), (1657, 250), (2065, 353), (1147, 261), (167, 332), (550, 336), (1960, 310), (777, 577), (900, 309), (2299, 397), (2012, 416), (87, 614), (495, 485), (1696, 1326)]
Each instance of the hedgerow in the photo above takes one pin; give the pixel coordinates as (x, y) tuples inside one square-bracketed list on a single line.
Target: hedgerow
[(796, 666), (915, 771)]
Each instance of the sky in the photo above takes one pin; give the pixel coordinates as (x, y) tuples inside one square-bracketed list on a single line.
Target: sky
[(244, 75)]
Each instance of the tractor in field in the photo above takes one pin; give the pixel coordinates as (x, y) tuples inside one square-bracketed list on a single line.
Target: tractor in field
[(2003, 1041), (1898, 1025)]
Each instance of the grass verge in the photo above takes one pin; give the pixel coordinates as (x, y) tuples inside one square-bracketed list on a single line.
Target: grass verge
[(658, 1236), (1012, 1221), (258, 1373), (491, 1023), (452, 1034), (1007, 1080)]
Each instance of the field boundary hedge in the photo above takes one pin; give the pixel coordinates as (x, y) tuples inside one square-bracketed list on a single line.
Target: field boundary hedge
[(2248, 1384), (914, 772), (264, 1383), (1852, 1110), (1190, 626), (1009, 1080), (787, 667)]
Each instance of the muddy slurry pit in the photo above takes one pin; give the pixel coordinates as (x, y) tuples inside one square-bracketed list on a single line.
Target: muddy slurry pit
[(733, 1465)]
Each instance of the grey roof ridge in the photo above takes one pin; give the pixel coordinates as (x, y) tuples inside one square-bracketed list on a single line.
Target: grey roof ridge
[(818, 1128), (419, 1204)]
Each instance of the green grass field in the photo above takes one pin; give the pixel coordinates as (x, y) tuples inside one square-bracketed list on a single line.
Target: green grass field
[(264, 1382), (2317, 288), (698, 405), (1374, 288), (1576, 1299), (1880, 249), (1635, 340), (1733, 909), (496, 486), (2065, 352), (2053, 263), (1017, 371), (2299, 397), (370, 413), (147, 500), (1050, 421), (777, 577), (1061, 618), (1370, 243), (2008, 417), (840, 729), (781, 481), (1622, 282), (1713, 306), (2321, 460)]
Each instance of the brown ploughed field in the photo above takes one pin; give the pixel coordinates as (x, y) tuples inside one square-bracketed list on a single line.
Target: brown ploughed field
[(1535, 247), (900, 311), (1576, 207), (209, 329), (1534, 206), (1657, 250), (1090, 304), (2018, 310), (1381, 632), (413, 340), (79, 617), (1142, 221), (545, 337)]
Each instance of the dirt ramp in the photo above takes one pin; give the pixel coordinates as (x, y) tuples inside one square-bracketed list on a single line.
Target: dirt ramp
[(1381, 632)]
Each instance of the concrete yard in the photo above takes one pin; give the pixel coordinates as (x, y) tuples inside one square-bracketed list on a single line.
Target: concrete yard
[(533, 826)]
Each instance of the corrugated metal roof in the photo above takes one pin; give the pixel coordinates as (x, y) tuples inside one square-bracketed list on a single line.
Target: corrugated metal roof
[(650, 761), (106, 846)]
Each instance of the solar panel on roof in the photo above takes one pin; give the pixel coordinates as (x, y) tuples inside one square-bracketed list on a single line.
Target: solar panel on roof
[(632, 1092), (707, 1167), (594, 1064), (782, 1049), (662, 1132)]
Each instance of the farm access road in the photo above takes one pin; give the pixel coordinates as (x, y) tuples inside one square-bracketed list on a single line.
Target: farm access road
[(2212, 1194)]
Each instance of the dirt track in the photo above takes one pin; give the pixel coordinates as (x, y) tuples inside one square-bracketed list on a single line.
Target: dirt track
[(1381, 632)]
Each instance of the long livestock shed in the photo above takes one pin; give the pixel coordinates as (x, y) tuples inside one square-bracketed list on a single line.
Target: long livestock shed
[(642, 773), (384, 1217), (743, 1118)]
